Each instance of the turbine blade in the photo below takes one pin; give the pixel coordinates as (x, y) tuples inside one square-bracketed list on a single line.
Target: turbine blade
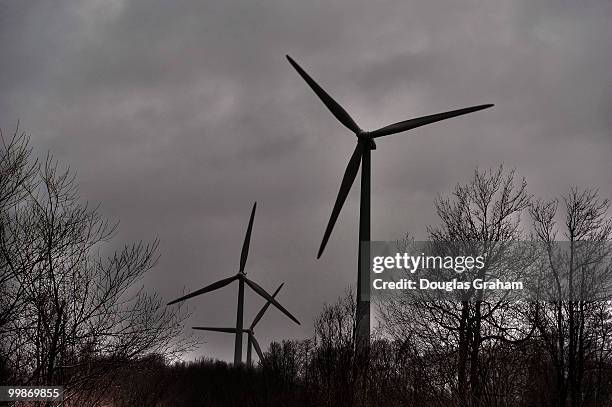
[(257, 347), (259, 290), (213, 329), (263, 309), (208, 288), (247, 240), (337, 110), (347, 181), (422, 121)]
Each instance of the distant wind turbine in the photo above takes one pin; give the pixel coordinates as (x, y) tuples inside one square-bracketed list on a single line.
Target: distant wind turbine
[(250, 331), (242, 279), (361, 155)]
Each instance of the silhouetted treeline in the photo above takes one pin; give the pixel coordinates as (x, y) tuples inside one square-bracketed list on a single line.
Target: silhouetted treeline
[(326, 370)]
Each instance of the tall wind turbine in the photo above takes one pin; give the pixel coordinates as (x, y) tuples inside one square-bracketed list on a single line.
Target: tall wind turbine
[(250, 331), (242, 279), (361, 156)]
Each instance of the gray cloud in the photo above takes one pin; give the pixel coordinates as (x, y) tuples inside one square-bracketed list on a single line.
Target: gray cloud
[(177, 115)]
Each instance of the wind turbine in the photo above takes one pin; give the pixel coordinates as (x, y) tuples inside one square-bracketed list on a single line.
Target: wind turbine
[(250, 331), (361, 156), (242, 279)]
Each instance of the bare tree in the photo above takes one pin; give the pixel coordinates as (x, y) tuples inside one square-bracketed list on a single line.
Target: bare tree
[(573, 324), (82, 313), (17, 176), (481, 217)]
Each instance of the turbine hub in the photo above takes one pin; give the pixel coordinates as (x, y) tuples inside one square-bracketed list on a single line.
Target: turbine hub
[(365, 137)]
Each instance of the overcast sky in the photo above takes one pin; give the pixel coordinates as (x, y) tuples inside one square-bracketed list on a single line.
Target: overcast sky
[(177, 115)]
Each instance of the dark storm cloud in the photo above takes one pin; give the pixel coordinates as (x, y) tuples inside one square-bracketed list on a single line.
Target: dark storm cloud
[(177, 115)]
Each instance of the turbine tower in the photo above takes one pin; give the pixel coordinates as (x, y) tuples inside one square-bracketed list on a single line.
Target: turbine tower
[(361, 156), (242, 280), (250, 331)]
